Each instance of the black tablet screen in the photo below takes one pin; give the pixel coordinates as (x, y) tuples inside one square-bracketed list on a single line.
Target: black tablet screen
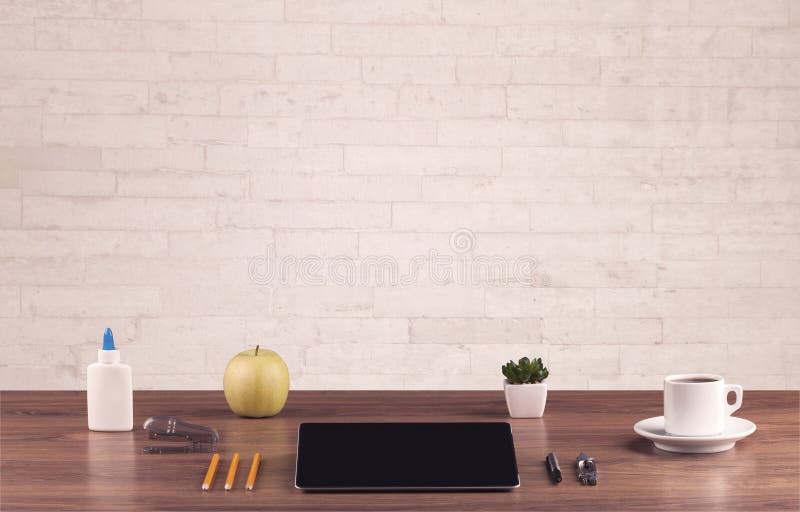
[(333, 456)]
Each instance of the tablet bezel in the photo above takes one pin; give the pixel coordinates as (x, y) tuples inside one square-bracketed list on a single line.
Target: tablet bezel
[(308, 488)]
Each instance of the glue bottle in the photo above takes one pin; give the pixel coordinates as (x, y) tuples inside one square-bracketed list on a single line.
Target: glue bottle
[(109, 390)]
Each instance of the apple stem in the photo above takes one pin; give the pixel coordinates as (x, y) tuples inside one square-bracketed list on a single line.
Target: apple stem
[(257, 349)]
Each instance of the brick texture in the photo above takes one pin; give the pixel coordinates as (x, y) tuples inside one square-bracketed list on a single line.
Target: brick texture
[(352, 182)]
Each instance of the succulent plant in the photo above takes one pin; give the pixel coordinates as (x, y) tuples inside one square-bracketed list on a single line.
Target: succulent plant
[(526, 371)]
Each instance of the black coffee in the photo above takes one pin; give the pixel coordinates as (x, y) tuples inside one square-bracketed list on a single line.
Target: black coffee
[(697, 380)]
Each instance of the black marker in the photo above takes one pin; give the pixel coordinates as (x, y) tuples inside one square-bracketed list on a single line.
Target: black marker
[(552, 467)]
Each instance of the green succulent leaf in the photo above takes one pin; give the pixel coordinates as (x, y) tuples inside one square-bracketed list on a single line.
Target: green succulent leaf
[(525, 371)]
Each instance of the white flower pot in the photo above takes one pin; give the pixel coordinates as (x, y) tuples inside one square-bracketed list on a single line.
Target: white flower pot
[(525, 400)]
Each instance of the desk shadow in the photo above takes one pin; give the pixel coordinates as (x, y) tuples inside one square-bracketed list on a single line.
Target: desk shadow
[(644, 446), (408, 491), (497, 415)]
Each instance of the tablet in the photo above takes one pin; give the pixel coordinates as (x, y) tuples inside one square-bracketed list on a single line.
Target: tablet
[(405, 456)]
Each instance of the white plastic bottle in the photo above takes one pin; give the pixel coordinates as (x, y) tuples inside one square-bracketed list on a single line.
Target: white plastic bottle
[(109, 390)]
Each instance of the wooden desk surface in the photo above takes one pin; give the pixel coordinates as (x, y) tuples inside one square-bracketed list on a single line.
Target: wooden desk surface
[(49, 460)]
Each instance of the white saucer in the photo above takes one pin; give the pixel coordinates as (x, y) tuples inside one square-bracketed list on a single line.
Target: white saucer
[(735, 429)]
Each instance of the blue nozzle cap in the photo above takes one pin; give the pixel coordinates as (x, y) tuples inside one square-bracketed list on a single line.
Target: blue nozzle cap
[(108, 340)]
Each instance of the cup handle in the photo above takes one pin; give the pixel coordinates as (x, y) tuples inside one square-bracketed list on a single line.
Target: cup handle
[(731, 408)]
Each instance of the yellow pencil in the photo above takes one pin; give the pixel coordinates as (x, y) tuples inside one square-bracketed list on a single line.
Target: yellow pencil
[(251, 477), (212, 470), (232, 472)]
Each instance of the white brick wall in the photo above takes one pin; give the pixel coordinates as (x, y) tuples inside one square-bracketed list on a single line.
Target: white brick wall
[(646, 154)]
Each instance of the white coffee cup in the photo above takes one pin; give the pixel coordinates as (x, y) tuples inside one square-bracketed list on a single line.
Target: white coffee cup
[(696, 404)]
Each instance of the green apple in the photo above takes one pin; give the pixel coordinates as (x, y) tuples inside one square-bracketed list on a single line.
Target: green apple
[(256, 383)]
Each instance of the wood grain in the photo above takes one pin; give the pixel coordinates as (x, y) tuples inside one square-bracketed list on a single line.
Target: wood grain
[(50, 460)]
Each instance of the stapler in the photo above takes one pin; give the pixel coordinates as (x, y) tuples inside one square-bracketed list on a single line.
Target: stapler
[(196, 438)]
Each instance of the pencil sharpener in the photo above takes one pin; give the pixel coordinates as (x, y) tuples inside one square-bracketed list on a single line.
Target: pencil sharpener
[(587, 469), (196, 438)]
